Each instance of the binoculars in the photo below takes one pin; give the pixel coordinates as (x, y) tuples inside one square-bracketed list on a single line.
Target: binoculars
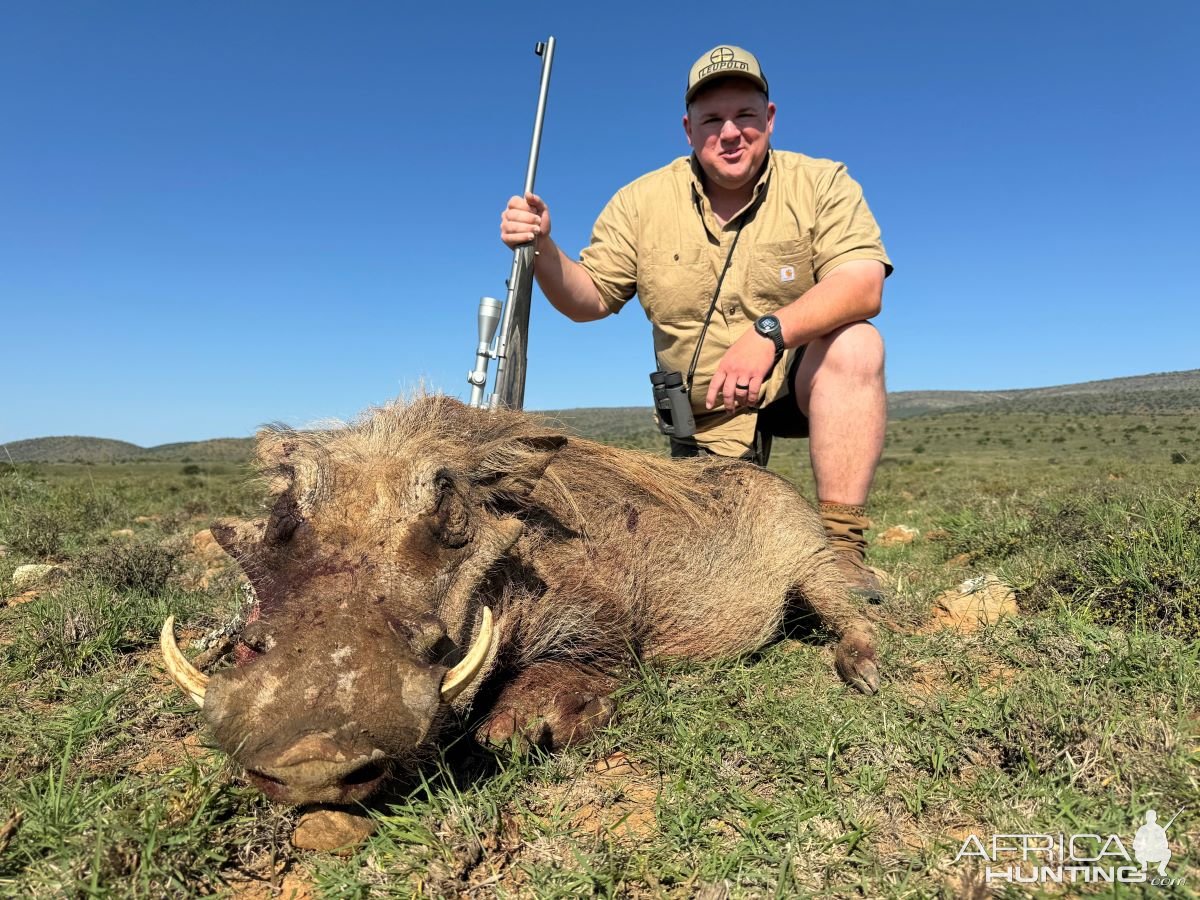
[(673, 405)]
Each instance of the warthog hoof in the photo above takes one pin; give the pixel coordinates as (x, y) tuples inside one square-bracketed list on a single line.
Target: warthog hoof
[(855, 660)]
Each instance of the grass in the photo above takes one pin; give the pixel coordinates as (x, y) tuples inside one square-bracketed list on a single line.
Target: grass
[(759, 777)]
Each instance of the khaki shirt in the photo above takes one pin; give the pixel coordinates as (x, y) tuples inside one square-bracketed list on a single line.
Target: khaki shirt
[(658, 238)]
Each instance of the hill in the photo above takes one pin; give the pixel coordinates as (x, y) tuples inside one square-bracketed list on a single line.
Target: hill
[(1162, 392), (1167, 392), (69, 449)]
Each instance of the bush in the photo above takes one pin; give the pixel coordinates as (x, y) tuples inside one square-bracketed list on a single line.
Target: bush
[(35, 532), (1136, 565), (138, 566)]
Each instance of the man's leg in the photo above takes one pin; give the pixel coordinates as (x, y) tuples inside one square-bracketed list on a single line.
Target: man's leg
[(839, 386)]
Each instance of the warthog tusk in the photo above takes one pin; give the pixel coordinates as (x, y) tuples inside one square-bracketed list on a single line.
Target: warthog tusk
[(464, 673), (191, 680)]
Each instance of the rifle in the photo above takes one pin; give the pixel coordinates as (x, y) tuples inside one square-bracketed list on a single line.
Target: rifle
[(512, 315)]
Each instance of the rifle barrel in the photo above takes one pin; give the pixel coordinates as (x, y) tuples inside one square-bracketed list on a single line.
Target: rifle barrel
[(514, 326)]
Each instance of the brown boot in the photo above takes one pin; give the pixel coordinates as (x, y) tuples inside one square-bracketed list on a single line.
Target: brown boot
[(844, 526)]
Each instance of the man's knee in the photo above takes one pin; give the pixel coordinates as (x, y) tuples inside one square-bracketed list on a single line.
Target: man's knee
[(854, 351)]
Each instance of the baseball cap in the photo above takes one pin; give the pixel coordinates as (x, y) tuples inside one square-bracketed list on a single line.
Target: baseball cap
[(721, 62)]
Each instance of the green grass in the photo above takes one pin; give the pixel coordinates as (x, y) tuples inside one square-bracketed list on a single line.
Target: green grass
[(760, 777)]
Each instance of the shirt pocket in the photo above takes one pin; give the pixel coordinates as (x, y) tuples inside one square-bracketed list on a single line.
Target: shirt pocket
[(781, 272), (676, 284)]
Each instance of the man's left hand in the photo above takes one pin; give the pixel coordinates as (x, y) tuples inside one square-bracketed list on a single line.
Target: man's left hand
[(742, 371)]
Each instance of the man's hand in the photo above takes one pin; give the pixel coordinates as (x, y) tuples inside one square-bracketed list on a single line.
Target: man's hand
[(525, 219), (743, 369)]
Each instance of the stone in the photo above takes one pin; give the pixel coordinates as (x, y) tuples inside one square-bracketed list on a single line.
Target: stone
[(332, 830), (122, 533), (617, 766), (34, 574), (974, 604), (897, 534)]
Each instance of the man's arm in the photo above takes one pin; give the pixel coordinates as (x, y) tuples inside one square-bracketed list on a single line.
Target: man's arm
[(849, 293), (566, 284)]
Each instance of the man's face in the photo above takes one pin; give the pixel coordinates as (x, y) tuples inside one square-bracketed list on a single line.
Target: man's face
[(729, 126)]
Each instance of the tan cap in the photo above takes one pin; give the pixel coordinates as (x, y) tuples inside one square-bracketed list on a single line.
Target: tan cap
[(722, 62)]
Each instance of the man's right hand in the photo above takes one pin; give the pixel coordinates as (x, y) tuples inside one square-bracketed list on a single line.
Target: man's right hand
[(524, 220)]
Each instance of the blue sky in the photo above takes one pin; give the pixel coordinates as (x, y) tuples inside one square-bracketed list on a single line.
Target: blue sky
[(222, 214)]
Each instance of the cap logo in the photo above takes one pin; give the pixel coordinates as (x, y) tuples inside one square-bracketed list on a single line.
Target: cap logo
[(723, 59)]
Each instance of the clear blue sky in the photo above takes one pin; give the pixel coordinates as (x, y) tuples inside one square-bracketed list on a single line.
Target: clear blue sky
[(214, 215)]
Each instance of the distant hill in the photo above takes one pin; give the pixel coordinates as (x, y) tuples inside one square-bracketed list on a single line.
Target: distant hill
[(103, 450), (214, 450), (69, 449), (1167, 392)]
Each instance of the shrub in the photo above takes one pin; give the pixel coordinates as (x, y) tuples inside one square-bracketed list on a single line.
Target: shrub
[(137, 566)]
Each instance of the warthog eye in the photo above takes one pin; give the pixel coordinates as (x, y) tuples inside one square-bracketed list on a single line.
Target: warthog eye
[(285, 519)]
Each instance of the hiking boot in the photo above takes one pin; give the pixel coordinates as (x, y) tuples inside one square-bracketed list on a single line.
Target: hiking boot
[(845, 526)]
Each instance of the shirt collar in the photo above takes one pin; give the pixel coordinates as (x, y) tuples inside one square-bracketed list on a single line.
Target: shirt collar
[(759, 186)]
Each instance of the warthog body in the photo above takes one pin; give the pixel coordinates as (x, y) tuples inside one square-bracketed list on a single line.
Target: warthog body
[(389, 538)]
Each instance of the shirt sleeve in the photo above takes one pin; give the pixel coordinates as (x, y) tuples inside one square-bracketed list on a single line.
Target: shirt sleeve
[(845, 228), (611, 256)]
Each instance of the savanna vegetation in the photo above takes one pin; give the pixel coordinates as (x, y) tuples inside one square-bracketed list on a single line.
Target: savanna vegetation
[(758, 777)]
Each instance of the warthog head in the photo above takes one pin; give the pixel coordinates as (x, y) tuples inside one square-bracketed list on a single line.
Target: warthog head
[(371, 573)]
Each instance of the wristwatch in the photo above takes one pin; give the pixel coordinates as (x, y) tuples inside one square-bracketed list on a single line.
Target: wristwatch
[(770, 328)]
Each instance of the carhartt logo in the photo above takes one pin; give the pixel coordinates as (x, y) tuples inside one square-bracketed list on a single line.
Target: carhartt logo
[(787, 273), (721, 55)]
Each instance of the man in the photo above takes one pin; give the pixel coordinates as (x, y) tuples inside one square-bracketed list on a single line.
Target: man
[(758, 269)]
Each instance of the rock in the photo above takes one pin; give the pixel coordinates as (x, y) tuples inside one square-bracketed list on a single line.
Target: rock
[(617, 766), (146, 520), (206, 562), (332, 830), (3, 550), (961, 559), (205, 546), (897, 534), (937, 534), (976, 602), (24, 597), (122, 533), (34, 574)]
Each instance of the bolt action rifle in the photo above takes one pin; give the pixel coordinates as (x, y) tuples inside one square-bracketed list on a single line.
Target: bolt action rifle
[(512, 315)]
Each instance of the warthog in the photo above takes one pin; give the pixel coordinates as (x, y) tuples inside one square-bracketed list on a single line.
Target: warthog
[(433, 558)]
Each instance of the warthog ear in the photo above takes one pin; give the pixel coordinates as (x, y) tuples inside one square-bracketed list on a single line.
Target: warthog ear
[(273, 450), (515, 465)]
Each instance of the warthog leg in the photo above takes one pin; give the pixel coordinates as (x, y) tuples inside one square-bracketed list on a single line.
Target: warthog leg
[(827, 594), (551, 704)]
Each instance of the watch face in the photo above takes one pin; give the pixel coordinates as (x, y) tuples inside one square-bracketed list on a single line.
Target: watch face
[(768, 324)]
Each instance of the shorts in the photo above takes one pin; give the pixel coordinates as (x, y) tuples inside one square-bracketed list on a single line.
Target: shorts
[(779, 418)]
